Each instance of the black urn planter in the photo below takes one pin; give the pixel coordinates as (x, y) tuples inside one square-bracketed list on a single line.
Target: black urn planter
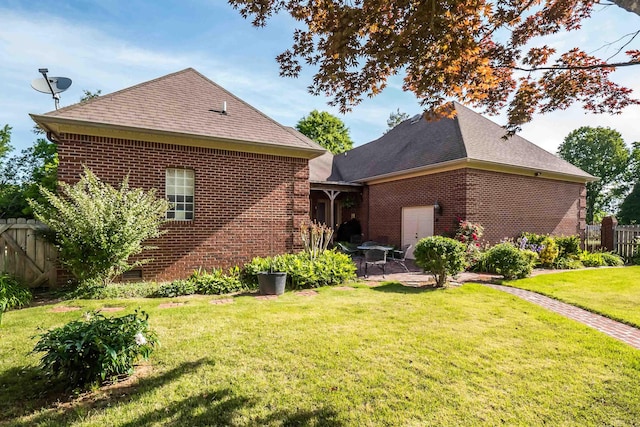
[(271, 283)]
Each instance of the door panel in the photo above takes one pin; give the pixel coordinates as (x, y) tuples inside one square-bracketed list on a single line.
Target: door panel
[(417, 222)]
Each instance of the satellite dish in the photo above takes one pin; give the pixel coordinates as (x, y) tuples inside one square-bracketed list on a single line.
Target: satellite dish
[(52, 85)]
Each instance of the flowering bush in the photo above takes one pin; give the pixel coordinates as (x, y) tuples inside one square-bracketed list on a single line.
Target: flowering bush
[(95, 349), (468, 232)]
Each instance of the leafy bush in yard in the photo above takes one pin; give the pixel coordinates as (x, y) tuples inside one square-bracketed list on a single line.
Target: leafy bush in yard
[(215, 282), (95, 349), (549, 252), (568, 246), (327, 269), (612, 260), (175, 289), (592, 259), (12, 294), (509, 261), (97, 227), (568, 264), (600, 259), (441, 256)]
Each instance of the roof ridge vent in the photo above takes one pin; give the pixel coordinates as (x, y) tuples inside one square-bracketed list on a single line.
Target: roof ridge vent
[(415, 119)]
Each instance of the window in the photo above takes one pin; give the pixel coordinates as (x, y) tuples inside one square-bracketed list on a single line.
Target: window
[(179, 190)]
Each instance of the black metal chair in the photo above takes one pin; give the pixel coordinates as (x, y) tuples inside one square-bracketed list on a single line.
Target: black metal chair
[(375, 256), (354, 253), (402, 256)]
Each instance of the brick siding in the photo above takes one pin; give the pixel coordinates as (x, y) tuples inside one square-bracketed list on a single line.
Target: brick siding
[(246, 204), (504, 204)]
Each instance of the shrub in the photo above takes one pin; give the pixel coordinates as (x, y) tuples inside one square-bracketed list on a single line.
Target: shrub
[(509, 261), (441, 256), (568, 246), (175, 289), (97, 227), (592, 259), (533, 239), (217, 282), (95, 349), (611, 259), (12, 294), (568, 264), (315, 237), (327, 269), (549, 252)]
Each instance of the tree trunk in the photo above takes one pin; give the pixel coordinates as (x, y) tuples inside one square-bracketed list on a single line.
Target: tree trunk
[(632, 6)]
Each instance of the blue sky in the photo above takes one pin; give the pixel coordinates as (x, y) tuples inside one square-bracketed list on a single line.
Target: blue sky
[(110, 45)]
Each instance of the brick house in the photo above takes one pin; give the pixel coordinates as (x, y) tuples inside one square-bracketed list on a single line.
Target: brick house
[(239, 181), (418, 178), (241, 184)]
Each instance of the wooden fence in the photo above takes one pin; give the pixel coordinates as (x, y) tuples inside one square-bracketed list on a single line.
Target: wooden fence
[(25, 254), (626, 240)]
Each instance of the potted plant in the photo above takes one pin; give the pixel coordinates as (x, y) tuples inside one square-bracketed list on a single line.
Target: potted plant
[(271, 282)]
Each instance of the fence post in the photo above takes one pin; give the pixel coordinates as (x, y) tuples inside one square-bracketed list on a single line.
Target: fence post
[(607, 233)]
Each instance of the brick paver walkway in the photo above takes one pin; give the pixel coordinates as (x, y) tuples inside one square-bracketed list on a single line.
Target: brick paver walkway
[(620, 331)]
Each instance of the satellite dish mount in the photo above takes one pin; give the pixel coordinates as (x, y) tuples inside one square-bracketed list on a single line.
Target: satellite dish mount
[(52, 85)]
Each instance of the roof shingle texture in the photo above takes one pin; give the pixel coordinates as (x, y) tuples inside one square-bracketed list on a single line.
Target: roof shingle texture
[(181, 103), (420, 144)]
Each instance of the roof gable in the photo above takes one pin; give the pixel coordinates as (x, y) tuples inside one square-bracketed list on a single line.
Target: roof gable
[(183, 103)]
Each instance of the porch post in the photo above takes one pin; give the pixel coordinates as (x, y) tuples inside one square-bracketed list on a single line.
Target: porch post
[(332, 194)]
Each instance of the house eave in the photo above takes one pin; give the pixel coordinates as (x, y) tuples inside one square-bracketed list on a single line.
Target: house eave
[(480, 165), (58, 125)]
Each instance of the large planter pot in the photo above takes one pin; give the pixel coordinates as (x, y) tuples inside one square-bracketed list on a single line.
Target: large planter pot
[(271, 283)]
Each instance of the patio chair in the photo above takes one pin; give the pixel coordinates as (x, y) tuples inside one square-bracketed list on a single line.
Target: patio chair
[(354, 253), (375, 257), (402, 256)]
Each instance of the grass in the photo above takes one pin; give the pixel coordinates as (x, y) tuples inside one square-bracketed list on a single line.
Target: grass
[(368, 357), (612, 292)]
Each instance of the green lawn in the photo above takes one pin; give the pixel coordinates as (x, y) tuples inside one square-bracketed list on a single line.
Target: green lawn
[(386, 356), (612, 292)]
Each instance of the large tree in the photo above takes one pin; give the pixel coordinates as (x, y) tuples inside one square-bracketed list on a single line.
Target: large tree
[(485, 53), (602, 153), (327, 130), (629, 212)]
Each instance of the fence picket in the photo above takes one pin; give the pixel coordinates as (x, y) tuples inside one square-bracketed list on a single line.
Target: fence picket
[(26, 255)]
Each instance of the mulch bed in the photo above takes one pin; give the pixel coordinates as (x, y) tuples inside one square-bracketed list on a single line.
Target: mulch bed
[(345, 288)]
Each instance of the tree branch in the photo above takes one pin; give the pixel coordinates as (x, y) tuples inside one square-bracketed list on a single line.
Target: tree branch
[(577, 67)]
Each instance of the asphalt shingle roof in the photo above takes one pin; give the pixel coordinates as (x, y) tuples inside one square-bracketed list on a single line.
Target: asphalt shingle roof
[(182, 103), (417, 144)]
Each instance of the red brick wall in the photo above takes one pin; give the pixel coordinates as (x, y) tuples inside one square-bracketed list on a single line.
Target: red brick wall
[(387, 200), (507, 204), (246, 204), (504, 204)]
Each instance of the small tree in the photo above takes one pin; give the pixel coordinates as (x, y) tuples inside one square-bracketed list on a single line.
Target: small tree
[(441, 256), (97, 227), (395, 119)]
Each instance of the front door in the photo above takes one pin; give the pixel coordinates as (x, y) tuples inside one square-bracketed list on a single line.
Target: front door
[(417, 222)]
